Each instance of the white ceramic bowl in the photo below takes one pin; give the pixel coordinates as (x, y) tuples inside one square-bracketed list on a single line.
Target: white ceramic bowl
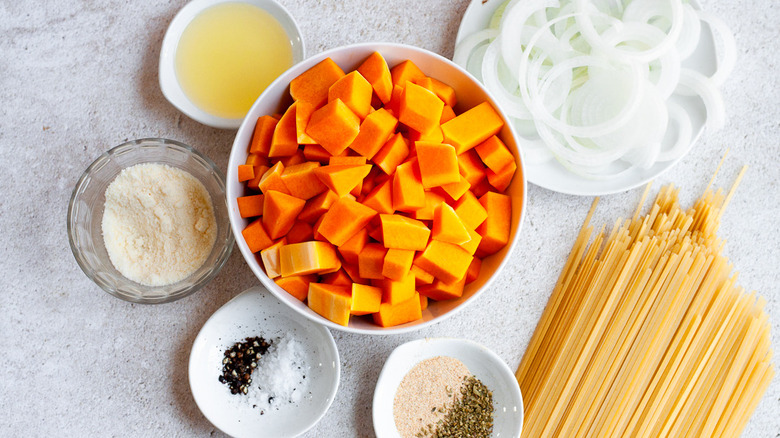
[(256, 313), (169, 83), (481, 362), (552, 175), (470, 93)]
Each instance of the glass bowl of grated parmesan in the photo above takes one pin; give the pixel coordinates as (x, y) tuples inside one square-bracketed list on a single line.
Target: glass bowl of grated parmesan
[(147, 221)]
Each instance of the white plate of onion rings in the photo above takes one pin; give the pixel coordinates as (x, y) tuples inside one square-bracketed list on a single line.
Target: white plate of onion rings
[(604, 95)]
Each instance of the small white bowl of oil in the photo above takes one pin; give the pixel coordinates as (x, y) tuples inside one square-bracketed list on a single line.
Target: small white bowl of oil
[(218, 56)]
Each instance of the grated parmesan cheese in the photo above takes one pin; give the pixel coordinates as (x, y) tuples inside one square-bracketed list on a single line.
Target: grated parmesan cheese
[(158, 224)]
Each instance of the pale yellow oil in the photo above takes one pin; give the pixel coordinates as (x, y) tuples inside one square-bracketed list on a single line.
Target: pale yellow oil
[(228, 55)]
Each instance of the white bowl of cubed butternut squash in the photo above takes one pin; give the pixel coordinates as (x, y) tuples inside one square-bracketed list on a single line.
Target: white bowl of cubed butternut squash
[(376, 188)]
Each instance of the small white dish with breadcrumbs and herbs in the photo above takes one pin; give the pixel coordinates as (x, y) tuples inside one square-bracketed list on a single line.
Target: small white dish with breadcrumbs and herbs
[(446, 387)]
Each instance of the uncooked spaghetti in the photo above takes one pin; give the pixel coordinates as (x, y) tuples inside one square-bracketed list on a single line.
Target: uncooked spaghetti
[(647, 334)]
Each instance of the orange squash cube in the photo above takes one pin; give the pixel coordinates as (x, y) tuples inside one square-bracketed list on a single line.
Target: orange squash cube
[(301, 181), (355, 91), (272, 179), (256, 237), (404, 72), (470, 211), (408, 191), (261, 137), (343, 220), (374, 132), (472, 127), (397, 263), (448, 227), (296, 285), (445, 261), (334, 126), (312, 85), (403, 233), (332, 302), (371, 260), (284, 141), (279, 212), (250, 206), (392, 153), (440, 290), (419, 109), (396, 291), (375, 70), (438, 164), (495, 229), (270, 259), (390, 315), (312, 257), (365, 299), (341, 179)]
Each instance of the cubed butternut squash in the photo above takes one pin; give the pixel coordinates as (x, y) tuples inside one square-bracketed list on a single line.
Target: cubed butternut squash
[(445, 261), (341, 179), (419, 108), (301, 181), (296, 285), (392, 153), (376, 71), (495, 229), (284, 141), (279, 212), (312, 257), (270, 259), (380, 198), (438, 164), (330, 301), (396, 291), (390, 315), (272, 179), (365, 299), (355, 91), (371, 261), (375, 130), (472, 127), (261, 137), (334, 126), (408, 191), (245, 172), (398, 263), (312, 85), (447, 226), (351, 248), (406, 71), (439, 290), (344, 218), (256, 237), (403, 233), (250, 206)]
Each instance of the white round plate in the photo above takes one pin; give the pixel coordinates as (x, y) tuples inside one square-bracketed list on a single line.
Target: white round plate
[(169, 83), (481, 362), (551, 174), (256, 312)]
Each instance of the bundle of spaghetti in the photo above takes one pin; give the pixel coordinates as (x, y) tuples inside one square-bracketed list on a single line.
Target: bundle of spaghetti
[(646, 333)]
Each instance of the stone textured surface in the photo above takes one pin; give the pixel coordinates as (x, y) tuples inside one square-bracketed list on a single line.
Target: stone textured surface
[(77, 78)]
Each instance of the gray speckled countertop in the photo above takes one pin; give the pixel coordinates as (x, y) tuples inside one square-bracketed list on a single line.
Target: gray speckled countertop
[(77, 78)]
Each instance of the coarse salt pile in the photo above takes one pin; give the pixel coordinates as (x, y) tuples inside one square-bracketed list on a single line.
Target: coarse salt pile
[(281, 376)]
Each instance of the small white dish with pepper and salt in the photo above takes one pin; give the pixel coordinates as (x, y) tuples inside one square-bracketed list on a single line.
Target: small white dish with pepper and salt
[(438, 386), (257, 369)]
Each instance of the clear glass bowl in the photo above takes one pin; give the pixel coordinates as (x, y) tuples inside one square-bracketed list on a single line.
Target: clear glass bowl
[(85, 214)]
